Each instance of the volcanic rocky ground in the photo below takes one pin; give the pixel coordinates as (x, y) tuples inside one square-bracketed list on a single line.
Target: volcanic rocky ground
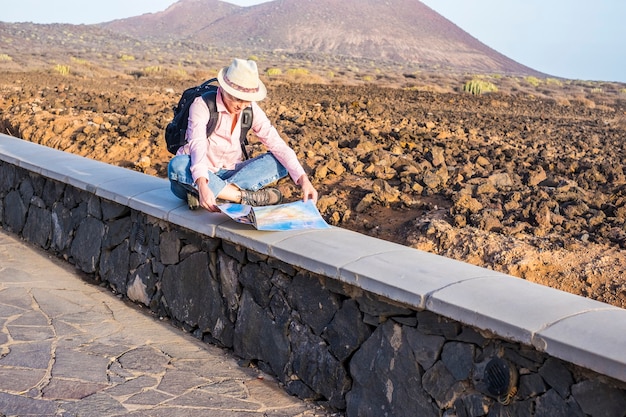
[(528, 182)]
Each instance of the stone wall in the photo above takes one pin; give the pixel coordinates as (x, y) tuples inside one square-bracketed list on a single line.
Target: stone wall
[(325, 340)]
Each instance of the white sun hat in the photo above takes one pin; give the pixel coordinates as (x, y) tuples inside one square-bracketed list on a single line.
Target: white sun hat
[(241, 80)]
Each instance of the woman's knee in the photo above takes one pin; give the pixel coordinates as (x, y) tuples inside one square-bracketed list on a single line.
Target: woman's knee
[(177, 166), (269, 158)]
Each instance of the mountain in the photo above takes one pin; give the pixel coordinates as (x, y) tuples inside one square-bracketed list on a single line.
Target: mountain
[(381, 30), (178, 22), (402, 35)]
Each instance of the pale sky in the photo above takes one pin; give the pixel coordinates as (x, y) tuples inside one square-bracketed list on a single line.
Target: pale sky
[(578, 39)]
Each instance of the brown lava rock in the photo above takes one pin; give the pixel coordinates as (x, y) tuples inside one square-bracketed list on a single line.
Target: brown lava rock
[(533, 187)]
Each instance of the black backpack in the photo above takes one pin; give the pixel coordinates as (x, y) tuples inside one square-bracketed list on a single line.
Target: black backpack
[(176, 129)]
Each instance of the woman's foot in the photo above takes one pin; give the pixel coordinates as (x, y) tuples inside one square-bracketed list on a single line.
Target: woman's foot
[(263, 197), (192, 201)]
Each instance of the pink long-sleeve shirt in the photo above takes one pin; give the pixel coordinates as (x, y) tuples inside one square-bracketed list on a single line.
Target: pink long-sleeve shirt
[(222, 149)]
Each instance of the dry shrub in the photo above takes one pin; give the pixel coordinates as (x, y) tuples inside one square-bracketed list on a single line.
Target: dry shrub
[(590, 104), (499, 104), (605, 108), (203, 74), (429, 88), (562, 101), (272, 72), (304, 76)]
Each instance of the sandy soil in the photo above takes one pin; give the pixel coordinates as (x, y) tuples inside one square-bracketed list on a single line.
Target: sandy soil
[(530, 184)]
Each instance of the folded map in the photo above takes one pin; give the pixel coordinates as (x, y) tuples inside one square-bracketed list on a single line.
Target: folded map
[(288, 216)]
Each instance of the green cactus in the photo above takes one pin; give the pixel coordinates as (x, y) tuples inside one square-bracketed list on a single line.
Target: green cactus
[(479, 87), (62, 69)]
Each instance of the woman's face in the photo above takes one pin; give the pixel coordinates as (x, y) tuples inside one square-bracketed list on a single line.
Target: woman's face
[(233, 104)]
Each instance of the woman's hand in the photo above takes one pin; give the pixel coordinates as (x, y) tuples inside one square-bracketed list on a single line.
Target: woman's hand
[(308, 191), (206, 197)]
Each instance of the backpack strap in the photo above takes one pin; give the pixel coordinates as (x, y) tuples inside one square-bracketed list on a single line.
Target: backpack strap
[(246, 120), (209, 99), (246, 124)]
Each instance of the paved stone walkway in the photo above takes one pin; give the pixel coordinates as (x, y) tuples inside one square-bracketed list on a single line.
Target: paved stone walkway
[(70, 348)]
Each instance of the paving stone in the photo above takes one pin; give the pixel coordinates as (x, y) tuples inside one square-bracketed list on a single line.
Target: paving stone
[(69, 348)]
